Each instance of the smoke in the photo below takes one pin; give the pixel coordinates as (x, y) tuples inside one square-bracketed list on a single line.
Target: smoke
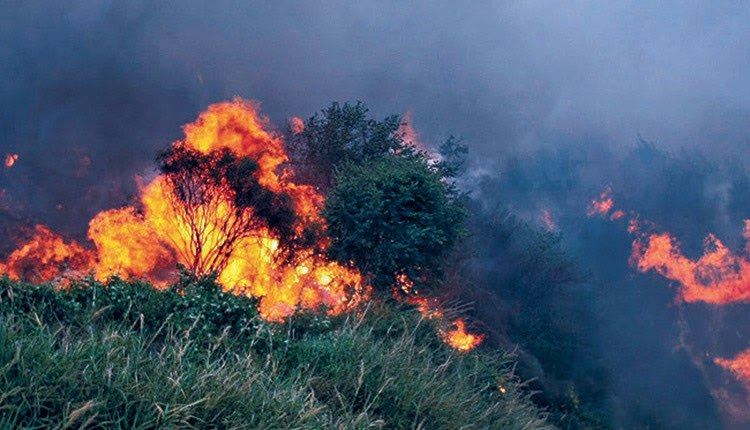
[(662, 350), (549, 97)]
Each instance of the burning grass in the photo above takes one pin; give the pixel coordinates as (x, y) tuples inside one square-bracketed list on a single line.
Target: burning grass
[(124, 354)]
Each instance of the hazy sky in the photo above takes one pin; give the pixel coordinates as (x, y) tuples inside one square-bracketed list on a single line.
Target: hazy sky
[(114, 81)]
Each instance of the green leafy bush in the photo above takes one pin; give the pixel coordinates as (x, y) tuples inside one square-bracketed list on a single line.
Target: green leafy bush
[(391, 217)]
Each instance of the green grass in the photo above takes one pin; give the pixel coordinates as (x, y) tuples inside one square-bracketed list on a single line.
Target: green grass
[(125, 355)]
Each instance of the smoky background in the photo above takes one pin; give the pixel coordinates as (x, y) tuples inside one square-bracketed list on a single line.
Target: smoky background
[(555, 101)]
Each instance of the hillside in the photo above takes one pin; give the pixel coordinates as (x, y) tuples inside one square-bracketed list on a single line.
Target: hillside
[(122, 354)]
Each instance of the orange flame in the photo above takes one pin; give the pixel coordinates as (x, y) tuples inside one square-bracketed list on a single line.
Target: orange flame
[(46, 256), (411, 138), (739, 366), (407, 132), (603, 205), (430, 308), (718, 277), (10, 160), (297, 125), (459, 339), (548, 222), (148, 243), (126, 246)]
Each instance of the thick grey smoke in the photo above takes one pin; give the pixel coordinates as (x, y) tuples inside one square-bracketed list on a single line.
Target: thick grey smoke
[(90, 90)]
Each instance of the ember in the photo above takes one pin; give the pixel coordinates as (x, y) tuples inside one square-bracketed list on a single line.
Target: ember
[(10, 160)]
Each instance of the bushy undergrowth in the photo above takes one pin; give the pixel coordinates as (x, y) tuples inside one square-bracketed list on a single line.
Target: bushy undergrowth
[(126, 355)]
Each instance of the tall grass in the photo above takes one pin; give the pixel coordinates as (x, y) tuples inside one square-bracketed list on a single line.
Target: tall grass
[(125, 355)]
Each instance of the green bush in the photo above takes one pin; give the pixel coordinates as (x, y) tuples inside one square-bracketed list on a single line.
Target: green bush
[(393, 216)]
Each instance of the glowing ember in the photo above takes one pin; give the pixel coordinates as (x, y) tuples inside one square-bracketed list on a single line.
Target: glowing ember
[(428, 307), (297, 125), (603, 205), (459, 339), (10, 160), (548, 222)]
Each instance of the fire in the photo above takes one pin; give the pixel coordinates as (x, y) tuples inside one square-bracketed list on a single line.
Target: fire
[(430, 308), (603, 205), (739, 366), (548, 222), (46, 256), (126, 246), (427, 306), (10, 160), (148, 240), (719, 276), (459, 339), (407, 132), (199, 220), (411, 137), (297, 125)]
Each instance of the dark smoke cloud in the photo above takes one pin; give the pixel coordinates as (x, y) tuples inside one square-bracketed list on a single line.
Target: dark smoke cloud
[(90, 90)]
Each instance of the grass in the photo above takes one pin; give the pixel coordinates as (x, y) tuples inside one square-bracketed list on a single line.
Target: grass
[(125, 355)]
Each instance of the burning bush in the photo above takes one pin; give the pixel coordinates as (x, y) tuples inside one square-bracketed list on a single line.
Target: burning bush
[(223, 205), (220, 201)]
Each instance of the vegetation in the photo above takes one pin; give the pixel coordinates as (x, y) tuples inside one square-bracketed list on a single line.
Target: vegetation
[(391, 209), (203, 187), (125, 355), (528, 288), (393, 217), (338, 135)]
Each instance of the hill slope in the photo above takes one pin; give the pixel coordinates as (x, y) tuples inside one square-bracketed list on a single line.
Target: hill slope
[(125, 354)]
